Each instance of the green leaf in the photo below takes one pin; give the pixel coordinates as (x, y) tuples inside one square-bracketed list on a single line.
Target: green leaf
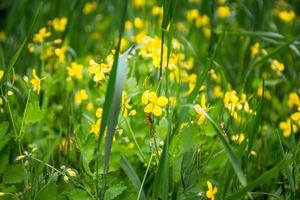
[(34, 112), (14, 174), (49, 192), (4, 137), (129, 171), (114, 191), (78, 194)]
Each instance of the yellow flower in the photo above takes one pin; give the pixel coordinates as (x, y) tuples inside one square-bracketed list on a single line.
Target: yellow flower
[(192, 15), (287, 127), (41, 35), (277, 66), (267, 93), (153, 103), (294, 99), (1, 74), (210, 193), (75, 70), (238, 138), (36, 82), (125, 104), (197, 107), (81, 96), (99, 70), (138, 23), (217, 91), (96, 127), (2, 36), (139, 3), (296, 116), (231, 102), (287, 16), (157, 11), (60, 53), (89, 7), (255, 49), (223, 12), (60, 24)]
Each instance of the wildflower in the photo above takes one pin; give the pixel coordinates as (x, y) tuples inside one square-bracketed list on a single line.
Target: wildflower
[(157, 11), (255, 49), (238, 138), (90, 106), (296, 116), (99, 70), (294, 99), (81, 96), (198, 108), (36, 82), (223, 12), (288, 127), (210, 193), (89, 7), (75, 70), (128, 25), (260, 91), (139, 3), (41, 35), (192, 15), (138, 23), (1, 74), (99, 113), (277, 66), (153, 103), (2, 36), (287, 16), (217, 91), (59, 24), (95, 127), (202, 20), (125, 104), (60, 53), (231, 102)]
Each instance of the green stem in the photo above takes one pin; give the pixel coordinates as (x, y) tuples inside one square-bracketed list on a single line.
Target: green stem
[(134, 139), (144, 178)]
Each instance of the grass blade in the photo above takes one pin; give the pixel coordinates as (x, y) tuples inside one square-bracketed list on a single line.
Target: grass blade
[(129, 171), (232, 158), (264, 177)]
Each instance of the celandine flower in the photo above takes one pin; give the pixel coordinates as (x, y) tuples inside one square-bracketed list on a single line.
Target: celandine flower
[(81, 96), (36, 82), (212, 190), (197, 107), (153, 103)]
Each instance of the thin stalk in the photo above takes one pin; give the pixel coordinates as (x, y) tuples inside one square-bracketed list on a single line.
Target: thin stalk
[(145, 176), (134, 139)]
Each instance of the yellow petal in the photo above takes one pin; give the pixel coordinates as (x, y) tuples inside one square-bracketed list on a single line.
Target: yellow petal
[(162, 101), (149, 108), (157, 110), (208, 194), (296, 116), (145, 97), (209, 185), (152, 97)]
